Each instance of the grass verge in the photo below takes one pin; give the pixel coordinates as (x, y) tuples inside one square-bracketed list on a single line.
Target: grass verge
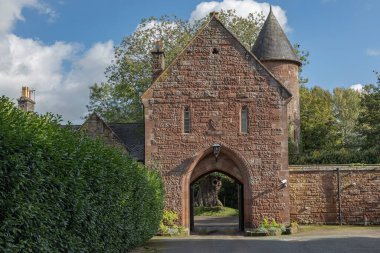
[(219, 211)]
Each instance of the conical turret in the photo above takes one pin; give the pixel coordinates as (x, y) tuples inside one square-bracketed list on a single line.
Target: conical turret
[(274, 50), (272, 43)]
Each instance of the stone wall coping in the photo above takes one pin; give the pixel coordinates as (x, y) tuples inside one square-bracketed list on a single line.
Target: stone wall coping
[(333, 167)]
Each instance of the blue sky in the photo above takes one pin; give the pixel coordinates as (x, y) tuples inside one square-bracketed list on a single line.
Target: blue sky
[(60, 47)]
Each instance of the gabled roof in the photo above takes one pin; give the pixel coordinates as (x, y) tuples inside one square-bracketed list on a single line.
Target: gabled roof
[(272, 43), (132, 136), (99, 119), (285, 93)]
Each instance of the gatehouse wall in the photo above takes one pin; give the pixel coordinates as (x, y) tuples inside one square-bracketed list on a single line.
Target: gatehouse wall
[(215, 77), (314, 194)]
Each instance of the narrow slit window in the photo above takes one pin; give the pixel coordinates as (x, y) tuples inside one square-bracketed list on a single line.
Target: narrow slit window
[(186, 120), (244, 120)]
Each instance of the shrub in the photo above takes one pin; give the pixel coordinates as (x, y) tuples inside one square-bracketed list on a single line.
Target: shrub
[(269, 228), (168, 224), (64, 192)]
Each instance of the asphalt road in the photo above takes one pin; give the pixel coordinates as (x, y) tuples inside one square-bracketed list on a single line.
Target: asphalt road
[(324, 239), (231, 244)]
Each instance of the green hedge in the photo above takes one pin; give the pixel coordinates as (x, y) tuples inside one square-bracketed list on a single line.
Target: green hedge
[(336, 157), (61, 191)]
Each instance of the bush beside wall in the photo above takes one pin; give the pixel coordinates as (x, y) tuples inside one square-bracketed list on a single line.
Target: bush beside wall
[(61, 191)]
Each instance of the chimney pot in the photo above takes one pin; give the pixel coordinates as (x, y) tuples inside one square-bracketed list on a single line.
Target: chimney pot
[(158, 46), (214, 13), (25, 92), (25, 102)]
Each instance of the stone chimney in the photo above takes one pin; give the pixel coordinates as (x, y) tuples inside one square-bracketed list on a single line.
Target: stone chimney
[(25, 102), (158, 60), (214, 13)]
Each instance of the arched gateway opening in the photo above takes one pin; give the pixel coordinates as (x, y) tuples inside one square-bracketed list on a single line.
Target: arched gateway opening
[(227, 162), (216, 204)]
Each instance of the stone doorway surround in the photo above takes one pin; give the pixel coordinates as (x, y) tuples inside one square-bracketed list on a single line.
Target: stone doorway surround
[(229, 163)]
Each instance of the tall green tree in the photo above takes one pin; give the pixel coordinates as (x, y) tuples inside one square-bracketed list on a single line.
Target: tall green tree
[(318, 125), (346, 108), (369, 117)]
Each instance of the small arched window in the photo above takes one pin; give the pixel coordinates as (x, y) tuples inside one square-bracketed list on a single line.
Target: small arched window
[(244, 120), (186, 120)]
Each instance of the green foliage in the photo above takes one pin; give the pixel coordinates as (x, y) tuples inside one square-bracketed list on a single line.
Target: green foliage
[(346, 108), (168, 224), (220, 211), (267, 227), (318, 126), (64, 192), (303, 55), (369, 117), (228, 194), (340, 127), (272, 224)]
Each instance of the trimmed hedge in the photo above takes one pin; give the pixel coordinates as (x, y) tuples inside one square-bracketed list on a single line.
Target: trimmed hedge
[(62, 191), (336, 157)]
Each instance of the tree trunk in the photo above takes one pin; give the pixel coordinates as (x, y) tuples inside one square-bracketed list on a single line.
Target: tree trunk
[(209, 188)]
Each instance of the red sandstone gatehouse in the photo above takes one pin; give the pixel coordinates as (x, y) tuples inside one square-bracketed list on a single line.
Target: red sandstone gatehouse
[(217, 92)]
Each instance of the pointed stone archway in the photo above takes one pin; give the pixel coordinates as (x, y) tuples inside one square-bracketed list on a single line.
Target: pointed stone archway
[(229, 163), (239, 195)]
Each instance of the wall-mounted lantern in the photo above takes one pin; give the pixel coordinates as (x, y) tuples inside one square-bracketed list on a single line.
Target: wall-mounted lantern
[(216, 150)]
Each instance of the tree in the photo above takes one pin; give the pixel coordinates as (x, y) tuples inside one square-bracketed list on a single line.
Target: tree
[(318, 125), (303, 55), (369, 117), (208, 192), (346, 107)]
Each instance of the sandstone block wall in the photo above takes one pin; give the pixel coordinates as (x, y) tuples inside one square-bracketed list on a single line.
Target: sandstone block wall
[(287, 73), (314, 194), (216, 77)]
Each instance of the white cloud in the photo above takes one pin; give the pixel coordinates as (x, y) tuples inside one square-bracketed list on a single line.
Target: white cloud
[(26, 62), (373, 52), (60, 73), (242, 7), (10, 12), (358, 87)]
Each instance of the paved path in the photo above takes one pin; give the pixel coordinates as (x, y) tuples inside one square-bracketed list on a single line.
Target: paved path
[(207, 225), (230, 221), (333, 241)]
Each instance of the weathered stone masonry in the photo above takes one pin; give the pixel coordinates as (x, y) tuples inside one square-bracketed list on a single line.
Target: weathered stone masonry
[(215, 76), (314, 194)]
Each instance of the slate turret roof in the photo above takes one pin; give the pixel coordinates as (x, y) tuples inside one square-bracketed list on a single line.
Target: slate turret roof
[(272, 43)]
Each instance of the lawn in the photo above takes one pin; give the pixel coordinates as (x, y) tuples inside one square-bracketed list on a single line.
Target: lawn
[(219, 211)]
